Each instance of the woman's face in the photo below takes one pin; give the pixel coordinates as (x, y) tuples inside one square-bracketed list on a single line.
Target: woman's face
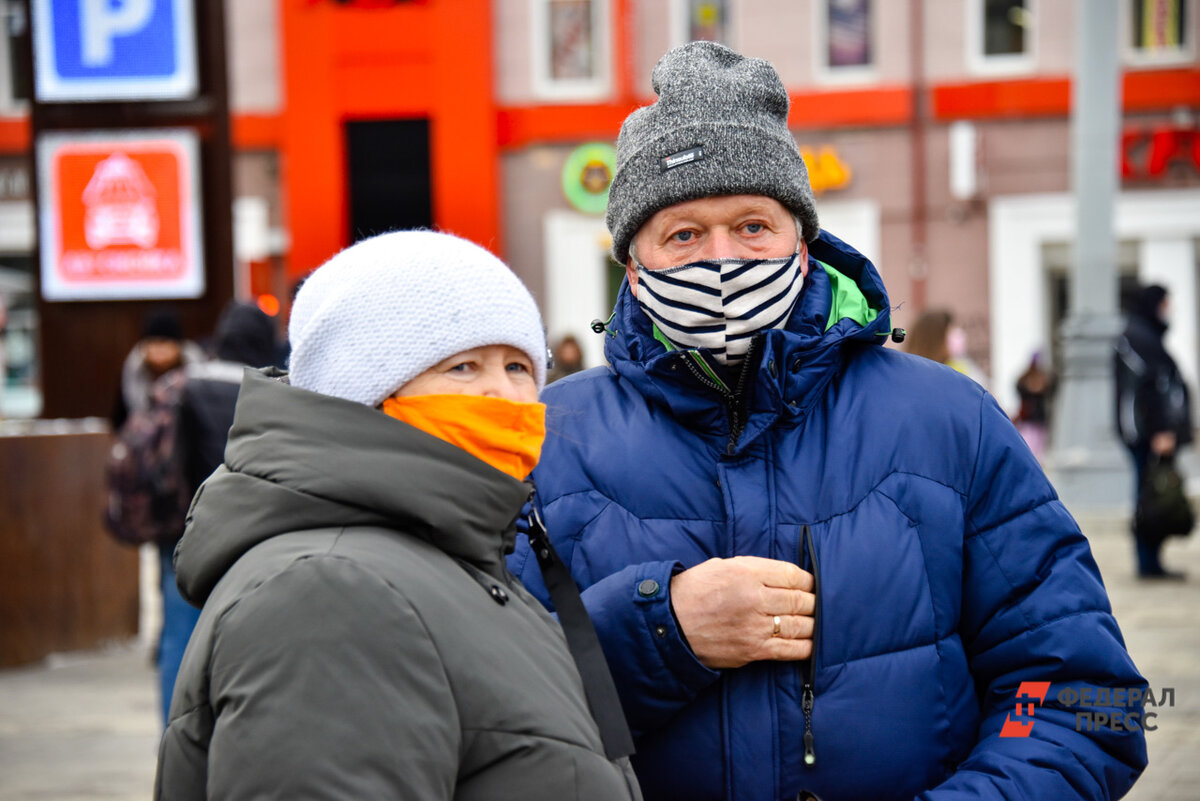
[(494, 371)]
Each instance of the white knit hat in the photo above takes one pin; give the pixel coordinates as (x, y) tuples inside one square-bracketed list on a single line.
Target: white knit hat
[(386, 309)]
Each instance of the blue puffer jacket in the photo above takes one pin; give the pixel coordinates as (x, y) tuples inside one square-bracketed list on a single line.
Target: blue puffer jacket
[(947, 570)]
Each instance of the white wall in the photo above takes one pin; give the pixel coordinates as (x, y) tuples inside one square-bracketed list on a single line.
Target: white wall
[(576, 250), (855, 222)]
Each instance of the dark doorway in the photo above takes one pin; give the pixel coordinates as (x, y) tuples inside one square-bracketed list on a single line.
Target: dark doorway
[(389, 176)]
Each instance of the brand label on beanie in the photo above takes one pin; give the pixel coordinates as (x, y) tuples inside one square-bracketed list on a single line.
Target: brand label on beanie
[(692, 154)]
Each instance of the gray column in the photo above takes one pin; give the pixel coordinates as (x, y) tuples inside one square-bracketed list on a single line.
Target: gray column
[(1088, 466)]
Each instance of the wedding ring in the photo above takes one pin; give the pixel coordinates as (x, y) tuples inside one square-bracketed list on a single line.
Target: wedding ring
[(777, 621)]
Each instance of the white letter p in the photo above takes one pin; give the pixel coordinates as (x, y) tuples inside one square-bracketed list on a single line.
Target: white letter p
[(102, 22)]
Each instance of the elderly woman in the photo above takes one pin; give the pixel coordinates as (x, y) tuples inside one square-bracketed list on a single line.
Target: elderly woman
[(361, 637)]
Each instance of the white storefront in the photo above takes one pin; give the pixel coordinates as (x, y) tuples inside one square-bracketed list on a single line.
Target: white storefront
[(1163, 226)]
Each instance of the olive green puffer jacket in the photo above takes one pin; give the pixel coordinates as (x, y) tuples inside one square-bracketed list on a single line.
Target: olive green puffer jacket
[(361, 636)]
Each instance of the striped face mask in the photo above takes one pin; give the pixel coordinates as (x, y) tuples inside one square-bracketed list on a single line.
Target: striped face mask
[(721, 304)]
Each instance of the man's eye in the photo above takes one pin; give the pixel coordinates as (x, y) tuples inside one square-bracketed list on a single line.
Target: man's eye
[(682, 236), (754, 228)]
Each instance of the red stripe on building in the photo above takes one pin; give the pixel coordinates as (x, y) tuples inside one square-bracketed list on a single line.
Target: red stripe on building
[(1142, 90), (15, 135), (882, 106), (256, 131)]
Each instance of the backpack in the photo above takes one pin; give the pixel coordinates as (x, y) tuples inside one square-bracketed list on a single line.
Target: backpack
[(148, 496)]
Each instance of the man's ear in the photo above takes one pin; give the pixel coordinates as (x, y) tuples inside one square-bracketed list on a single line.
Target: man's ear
[(803, 256), (631, 274)]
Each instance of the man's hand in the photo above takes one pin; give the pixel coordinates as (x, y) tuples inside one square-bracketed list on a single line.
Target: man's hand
[(1163, 443), (727, 609)]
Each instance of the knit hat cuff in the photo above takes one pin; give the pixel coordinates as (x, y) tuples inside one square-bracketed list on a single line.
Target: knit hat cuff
[(737, 159)]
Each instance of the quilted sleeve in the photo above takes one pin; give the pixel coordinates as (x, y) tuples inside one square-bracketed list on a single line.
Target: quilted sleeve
[(1036, 621), (653, 667)]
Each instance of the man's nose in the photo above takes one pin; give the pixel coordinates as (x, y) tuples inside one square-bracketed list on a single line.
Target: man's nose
[(719, 245)]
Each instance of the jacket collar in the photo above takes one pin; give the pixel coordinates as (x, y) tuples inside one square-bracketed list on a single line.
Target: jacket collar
[(298, 460), (843, 304)]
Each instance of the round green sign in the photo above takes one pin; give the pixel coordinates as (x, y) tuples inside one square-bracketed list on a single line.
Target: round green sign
[(587, 174)]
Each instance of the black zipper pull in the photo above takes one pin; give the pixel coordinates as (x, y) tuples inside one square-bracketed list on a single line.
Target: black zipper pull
[(538, 539), (806, 703), (808, 690)]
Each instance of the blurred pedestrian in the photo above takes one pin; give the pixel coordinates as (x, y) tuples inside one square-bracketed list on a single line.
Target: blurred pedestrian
[(160, 349), (1035, 387), (927, 336), (204, 394), (568, 359), (935, 336), (361, 637), (3, 363), (1153, 410)]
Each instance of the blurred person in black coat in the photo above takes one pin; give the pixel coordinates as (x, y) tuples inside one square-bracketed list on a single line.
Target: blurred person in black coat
[(1154, 417)]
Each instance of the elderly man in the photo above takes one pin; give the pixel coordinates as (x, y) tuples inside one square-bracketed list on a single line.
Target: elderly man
[(815, 565)]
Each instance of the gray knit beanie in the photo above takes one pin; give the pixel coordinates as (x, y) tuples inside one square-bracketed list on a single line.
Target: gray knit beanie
[(719, 127), (386, 309)]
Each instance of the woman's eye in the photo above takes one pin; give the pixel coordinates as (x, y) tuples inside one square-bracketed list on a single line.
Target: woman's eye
[(461, 367), (519, 367)]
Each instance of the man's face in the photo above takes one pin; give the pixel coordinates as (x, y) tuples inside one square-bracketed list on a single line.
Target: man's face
[(724, 227)]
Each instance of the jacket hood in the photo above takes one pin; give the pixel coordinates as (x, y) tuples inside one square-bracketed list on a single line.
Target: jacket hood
[(843, 305), (298, 460)]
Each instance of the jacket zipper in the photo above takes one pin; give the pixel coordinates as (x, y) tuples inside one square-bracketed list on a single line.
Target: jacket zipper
[(700, 376), (735, 426), (738, 396), (808, 690), (732, 398)]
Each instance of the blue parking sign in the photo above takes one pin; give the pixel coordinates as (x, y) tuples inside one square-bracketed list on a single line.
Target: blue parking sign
[(95, 50)]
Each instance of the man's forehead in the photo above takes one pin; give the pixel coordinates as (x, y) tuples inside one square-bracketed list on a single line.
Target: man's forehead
[(721, 204)]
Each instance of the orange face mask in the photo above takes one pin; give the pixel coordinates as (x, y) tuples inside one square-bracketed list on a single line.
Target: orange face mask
[(506, 434)]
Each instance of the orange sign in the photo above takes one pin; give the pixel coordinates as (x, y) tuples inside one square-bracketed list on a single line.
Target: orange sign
[(826, 170), (119, 216)]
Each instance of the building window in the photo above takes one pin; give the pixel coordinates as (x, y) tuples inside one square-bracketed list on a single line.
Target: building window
[(20, 396), (1158, 31), (14, 58), (1003, 27), (845, 45), (571, 49), (1001, 35), (700, 20)]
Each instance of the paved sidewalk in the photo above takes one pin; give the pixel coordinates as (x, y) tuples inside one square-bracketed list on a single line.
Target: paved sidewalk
[(1161, 624), (80, 727), (84, 727)]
